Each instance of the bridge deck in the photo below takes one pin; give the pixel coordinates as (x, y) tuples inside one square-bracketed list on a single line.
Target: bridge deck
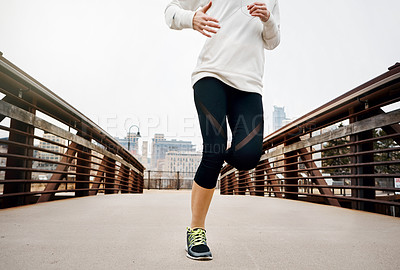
[(148, 232)]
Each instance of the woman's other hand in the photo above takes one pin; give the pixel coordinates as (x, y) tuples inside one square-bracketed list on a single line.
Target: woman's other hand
[(202, 22), (260, 10)]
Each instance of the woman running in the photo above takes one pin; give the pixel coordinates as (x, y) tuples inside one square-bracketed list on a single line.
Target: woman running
[(227, 83)]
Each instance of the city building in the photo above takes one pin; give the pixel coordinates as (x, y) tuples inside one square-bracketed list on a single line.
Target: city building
[(286, 122), (51, 147), (278, 117), (48, 156), (131, 142), (182, 161), (144, 159), (160, 146)]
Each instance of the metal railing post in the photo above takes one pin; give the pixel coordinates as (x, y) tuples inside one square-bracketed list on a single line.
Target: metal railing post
[(291, 157), (109, 185), (83, 163), (230, 187), (16, 134), (148, 180), (242, 182), (259, 182), (177, 181)]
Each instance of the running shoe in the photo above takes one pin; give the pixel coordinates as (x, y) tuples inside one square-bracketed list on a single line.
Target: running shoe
[(196, 244)]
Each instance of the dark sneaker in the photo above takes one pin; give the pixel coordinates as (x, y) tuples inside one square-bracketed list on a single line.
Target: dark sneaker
[(196, 244)]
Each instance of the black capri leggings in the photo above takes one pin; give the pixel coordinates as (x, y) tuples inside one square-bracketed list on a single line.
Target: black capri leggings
[(215, 101)]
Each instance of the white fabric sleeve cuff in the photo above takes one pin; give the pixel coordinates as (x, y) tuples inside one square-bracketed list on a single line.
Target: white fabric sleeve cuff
[(177, 18), (187, 18), (270, 27)]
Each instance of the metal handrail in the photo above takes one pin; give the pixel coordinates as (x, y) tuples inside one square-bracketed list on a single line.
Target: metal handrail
[(302, 157), (91, 161)]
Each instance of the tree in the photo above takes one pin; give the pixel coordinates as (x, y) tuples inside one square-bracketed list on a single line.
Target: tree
[(386, 155), (336, 152)]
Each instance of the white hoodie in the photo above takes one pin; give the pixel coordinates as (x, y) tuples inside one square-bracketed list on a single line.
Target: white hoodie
[(235, 55)]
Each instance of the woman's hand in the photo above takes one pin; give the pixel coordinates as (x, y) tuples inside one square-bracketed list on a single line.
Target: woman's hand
[(259, 10), (202, 22)]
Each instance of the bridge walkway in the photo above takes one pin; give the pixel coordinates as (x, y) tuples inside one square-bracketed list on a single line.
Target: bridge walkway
[(147, 231)]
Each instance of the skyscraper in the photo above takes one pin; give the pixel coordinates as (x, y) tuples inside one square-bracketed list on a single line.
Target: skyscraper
[(278, 116), (144, 158)]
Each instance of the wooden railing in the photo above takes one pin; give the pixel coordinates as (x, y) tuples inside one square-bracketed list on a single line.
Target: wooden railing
[(345, 153), (49, 150)]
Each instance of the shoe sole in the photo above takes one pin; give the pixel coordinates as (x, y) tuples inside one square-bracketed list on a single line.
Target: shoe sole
[(199, 258), (208, 258)]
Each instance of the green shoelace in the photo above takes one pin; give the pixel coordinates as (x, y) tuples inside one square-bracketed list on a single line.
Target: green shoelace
[(197, 237)]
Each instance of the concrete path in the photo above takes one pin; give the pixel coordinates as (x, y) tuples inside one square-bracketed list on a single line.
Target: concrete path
[(147, 231)]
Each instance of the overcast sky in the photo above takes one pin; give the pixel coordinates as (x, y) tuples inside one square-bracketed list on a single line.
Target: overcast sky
[(118, 63)]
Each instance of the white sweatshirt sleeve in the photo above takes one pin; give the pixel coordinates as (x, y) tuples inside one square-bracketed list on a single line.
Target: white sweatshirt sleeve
[(271, 32), (179, 13)]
